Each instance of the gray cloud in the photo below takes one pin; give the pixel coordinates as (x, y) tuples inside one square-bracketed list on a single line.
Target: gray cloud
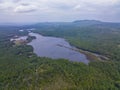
[(64, 10), (25, 4), (16, 1)]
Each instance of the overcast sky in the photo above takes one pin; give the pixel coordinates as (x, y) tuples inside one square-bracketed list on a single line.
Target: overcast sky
[(58, 10)]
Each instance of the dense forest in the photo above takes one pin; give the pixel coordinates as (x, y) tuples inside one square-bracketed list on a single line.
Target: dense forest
[(21, 69)]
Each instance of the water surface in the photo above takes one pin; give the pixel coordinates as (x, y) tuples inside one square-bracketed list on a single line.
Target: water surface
[(50, 47)]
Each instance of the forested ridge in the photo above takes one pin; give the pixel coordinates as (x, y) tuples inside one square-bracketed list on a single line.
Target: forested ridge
[(21, 69)]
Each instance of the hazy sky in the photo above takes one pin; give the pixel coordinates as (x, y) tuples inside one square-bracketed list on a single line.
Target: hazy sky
[(58, 10)]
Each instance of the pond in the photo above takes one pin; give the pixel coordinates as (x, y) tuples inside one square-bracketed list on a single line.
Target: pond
[(55, 48)]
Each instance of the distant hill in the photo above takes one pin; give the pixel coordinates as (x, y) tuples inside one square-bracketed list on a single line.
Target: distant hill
[(74, 24), (97, 23), (88, 22)]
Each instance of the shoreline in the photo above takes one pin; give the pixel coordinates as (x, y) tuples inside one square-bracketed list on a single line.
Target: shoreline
[(90, 56)]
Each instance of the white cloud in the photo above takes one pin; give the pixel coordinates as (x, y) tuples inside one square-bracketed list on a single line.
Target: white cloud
[(25, 8), (61, 9), (56, 4), (5, 5), (102, 2)]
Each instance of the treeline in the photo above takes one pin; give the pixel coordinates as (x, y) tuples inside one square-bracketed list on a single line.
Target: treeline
[(21, 69)]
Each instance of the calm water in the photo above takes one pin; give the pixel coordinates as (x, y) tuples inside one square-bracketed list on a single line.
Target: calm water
[(49, 47)]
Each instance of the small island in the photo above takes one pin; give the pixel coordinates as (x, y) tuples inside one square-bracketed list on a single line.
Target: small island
[(30, 38), (22, 40)]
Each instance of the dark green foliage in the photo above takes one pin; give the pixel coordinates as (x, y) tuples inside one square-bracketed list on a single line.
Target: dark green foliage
[(20, 69), (30, 38)]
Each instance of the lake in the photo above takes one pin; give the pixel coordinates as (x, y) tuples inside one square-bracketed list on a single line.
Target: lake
[(52, 47)]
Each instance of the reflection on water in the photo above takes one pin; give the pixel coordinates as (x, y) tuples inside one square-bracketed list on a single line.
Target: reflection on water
[(49, 47)]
